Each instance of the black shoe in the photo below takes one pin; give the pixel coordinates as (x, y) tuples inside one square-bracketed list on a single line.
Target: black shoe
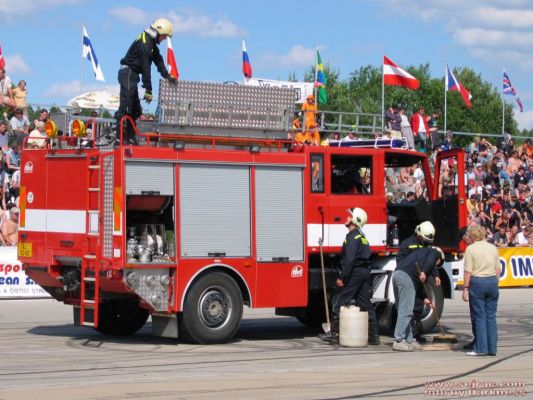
[(329, 337), (469, 346)]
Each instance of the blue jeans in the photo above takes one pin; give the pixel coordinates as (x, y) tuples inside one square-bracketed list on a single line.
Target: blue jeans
[(483, 296), (404, 293)]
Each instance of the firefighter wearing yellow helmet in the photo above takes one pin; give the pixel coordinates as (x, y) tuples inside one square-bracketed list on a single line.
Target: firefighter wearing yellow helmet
[(354, 280), (138, 62), (423, 237)]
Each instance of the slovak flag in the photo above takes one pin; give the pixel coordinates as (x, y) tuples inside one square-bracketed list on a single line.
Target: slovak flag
[(2, 61), (89, 54), (396, 76), (171, 60), (246, 66), (453, 84)]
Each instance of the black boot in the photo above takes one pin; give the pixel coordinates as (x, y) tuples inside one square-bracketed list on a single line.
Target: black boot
[(373, 333), (332, 336)]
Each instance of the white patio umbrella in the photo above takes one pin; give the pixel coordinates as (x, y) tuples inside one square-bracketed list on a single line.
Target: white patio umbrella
[(96, 99)]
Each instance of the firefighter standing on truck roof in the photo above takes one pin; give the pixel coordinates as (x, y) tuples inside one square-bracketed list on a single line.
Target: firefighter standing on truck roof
[(138, 61), (422, 238), (354, 280)]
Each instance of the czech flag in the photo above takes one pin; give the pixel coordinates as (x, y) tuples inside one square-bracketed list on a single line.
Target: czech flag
[(395, 76), (453, 84), (171, 61), (246, 66)]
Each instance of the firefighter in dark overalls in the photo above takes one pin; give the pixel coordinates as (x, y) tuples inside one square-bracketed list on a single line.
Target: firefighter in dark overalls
[(354, 280), (422, 238), (138, 61)]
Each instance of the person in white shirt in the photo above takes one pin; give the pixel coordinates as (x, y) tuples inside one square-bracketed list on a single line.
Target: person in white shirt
[(405, 127), (6, 90), (20, 125), (37, 138)]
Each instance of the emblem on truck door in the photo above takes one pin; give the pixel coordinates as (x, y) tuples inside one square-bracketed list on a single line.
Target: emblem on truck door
[(297, 271), (28, 167)]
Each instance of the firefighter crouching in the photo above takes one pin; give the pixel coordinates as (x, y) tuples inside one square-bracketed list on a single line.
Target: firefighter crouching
[(138, 61), (422, 238), (410, 274), (354, 280)]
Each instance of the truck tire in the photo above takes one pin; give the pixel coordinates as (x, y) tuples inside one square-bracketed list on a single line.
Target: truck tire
[(212, 310), (121, 317), (429, 320)]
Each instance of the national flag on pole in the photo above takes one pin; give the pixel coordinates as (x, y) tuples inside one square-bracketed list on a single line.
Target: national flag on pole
[(2, 61), (246, 66), (453, 84), (171, 60), (89, 54), (508, 88), (396, 76), (321, 81)]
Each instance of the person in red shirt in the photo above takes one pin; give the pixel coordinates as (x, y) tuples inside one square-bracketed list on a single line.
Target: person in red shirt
[(420, 127)]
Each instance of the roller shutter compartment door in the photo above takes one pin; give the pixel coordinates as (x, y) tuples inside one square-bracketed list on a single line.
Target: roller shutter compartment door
[(214, 210), (279, 214), (150, 178)]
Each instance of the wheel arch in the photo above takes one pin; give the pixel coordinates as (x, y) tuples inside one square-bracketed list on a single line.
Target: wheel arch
[(227, 269)]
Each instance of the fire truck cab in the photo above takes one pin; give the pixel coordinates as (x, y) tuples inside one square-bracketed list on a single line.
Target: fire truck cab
[(195, 223)]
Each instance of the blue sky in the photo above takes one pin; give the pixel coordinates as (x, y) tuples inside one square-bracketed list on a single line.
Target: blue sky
[(41, 39)]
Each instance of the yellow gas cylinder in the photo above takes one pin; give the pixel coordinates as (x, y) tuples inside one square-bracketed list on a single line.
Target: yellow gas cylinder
[(353, 327)]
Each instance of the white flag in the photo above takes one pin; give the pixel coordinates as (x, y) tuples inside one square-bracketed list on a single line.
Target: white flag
[(88, 53)]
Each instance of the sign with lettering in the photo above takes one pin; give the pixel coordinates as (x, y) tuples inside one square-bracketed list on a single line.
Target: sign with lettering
[(301, 89)]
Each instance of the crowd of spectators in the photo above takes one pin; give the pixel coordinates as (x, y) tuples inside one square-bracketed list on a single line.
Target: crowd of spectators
[(15, 127)]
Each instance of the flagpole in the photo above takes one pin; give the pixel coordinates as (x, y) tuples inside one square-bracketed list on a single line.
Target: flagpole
[(81, 62), (503, 111), (315, 88), (445, 99), (383, 96)]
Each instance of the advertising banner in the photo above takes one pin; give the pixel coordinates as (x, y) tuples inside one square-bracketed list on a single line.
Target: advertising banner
[(301, 89), (516, 265), (13, 281)]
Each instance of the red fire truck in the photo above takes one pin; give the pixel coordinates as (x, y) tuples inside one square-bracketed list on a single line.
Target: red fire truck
[(191, 225)]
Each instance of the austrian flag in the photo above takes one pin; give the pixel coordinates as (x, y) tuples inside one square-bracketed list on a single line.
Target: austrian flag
[(396, 76), (171, 60)]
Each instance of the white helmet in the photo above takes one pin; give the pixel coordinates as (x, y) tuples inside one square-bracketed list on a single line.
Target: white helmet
[(426, 231), (359, 216), (162, 26), (441, 253)]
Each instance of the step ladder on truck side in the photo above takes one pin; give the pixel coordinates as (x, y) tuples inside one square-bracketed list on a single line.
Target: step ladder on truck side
[(90, 264)]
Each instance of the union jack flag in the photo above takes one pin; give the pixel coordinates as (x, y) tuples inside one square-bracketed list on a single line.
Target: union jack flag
[(508, 88)]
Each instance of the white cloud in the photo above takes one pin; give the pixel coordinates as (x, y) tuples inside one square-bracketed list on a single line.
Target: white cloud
[(15, 64), (524, 119), (186, 22), (67, 90), (476, 37), (297, 56), (493, 31), (14, 8), (131, 15)]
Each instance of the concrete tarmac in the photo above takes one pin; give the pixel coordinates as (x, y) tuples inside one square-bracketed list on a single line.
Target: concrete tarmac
[(43, 356)]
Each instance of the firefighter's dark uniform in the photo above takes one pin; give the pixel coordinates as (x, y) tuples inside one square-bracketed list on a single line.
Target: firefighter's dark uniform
[(137, 61), (408, 246), (355, 276)]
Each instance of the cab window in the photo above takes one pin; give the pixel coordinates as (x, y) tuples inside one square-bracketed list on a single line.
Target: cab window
[(351, 175), (317, 173)]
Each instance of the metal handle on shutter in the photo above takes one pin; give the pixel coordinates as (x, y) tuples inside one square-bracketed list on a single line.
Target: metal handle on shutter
[(280, 259), (216, 254)]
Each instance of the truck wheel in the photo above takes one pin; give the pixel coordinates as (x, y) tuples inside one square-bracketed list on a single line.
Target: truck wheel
[(212, 310), (314, 314), (121, 317), (429, 321)]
